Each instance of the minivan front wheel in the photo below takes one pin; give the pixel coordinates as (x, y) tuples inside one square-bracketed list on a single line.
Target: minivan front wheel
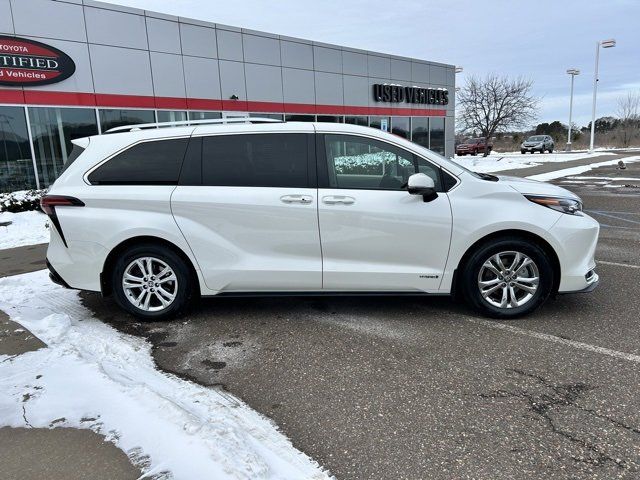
[(508, 278), (152, 282)]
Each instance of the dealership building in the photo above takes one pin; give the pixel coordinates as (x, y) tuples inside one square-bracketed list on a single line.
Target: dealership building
[(74, 68)]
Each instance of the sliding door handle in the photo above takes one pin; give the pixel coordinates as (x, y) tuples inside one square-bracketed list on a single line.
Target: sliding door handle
[(303, 199), (338, 199)]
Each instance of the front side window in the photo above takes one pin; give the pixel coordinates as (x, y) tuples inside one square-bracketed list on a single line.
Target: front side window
[(149, 163), (256, 160), (364, 163), (436, 174)]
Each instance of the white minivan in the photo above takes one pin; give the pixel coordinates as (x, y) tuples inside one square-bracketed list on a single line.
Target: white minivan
[(158, 216)]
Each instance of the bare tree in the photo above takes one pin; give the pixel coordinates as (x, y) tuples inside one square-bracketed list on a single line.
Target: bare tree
[(494, 104), (629, 113)]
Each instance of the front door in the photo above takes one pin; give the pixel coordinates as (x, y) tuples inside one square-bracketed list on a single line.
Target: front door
[(250, 216), (375, 236)]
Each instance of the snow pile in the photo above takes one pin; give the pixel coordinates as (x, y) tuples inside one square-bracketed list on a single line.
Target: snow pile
[(565, 172), (92, 376), (496, 162), (20, 201), (25, 228)]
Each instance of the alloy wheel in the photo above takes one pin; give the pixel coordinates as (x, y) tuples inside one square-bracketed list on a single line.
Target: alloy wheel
[(150, 284), (508, 279)]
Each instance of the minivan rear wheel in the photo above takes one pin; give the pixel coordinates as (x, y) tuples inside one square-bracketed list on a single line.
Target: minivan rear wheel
[(507, 278), (152, 282)]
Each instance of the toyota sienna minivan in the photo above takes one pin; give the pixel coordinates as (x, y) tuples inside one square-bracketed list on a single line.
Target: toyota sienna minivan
[(156, 217)]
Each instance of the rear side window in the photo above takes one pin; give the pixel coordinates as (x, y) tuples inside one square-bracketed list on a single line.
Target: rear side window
[(75, 153), (256, 160), (149, 163)]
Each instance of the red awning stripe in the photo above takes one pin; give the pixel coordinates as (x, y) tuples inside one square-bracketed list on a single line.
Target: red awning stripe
[(77, 99)]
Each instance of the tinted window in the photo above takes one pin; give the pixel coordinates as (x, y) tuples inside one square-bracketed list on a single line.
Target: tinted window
[(256, 160), (431, 170), (75, 153), (364, 163), (149, 163)]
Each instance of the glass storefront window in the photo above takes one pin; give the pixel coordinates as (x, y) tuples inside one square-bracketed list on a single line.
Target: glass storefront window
[(300, 118), (117, 118), (330, 118), (52, 130), (362, 121), (171, 116), (420, 131), (275, 116), (437, 135), (16, 165), (381, 123), (401, 126), (204, 115)]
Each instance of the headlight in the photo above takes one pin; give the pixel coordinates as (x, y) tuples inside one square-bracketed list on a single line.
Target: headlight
[(561, 204)]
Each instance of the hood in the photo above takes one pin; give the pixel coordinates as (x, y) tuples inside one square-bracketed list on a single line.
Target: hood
[(534, 187)]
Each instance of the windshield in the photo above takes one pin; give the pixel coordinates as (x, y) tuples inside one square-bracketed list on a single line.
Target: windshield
[(473, 140), (536, 138)]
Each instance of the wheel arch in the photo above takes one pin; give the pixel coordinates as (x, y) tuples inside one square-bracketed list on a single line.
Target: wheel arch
[(107, 268), (523, 234)]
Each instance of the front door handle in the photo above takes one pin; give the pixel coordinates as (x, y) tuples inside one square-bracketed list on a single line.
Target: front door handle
[(303, 199), (335, 199)]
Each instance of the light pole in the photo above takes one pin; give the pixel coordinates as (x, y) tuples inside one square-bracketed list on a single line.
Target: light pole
[(604, 44), (573, 72)]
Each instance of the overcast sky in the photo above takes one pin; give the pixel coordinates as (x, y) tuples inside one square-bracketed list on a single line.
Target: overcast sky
[(535, 39)]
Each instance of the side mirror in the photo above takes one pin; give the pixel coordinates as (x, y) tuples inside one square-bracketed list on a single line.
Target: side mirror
[(421, 184)]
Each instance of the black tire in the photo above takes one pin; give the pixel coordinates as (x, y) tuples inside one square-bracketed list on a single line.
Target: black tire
[(183, 286), (472, 268), (551, 150), (474, 153), (523, 151), (542, 150)]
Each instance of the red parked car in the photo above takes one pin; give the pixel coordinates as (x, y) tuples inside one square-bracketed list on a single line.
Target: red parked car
[(473, 146)]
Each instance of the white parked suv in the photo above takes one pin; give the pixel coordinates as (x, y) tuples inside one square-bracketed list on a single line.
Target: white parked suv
[(158, 216)]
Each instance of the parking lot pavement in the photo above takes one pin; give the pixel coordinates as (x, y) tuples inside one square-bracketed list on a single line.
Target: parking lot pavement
[(22, 259), (61, 454), (422, 387)]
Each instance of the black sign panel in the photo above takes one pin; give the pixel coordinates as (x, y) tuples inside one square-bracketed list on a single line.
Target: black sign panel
[(27, 63), (417, 95)]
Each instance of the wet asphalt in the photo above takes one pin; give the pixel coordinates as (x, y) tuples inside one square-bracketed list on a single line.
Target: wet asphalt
[(415, 388)]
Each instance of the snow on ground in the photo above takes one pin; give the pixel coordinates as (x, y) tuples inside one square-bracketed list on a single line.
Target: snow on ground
[(565, 172), (496, 162), (92, 376), (26, 228)]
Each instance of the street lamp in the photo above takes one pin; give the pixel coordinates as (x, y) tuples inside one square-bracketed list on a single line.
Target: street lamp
[(459, 69), (604, 44), (573, 72)]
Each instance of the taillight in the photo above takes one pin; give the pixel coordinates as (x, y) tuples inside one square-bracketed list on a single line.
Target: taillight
[(49, 202)]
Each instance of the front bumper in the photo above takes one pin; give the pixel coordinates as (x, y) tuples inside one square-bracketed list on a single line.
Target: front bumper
[(593, 279), (576, 237)]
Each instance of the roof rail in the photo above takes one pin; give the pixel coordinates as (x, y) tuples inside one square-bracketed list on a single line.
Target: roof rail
[(213, 121)]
